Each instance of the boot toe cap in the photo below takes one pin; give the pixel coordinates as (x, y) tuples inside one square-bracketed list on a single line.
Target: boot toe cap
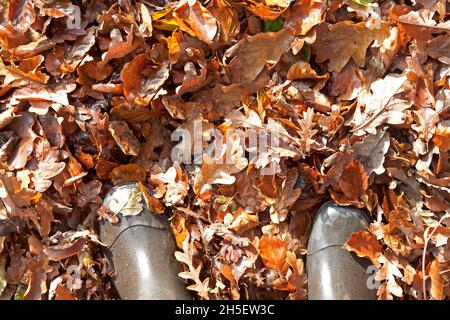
[(334, 224)]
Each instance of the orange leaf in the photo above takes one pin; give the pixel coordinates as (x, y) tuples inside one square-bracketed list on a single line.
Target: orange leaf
[(353, 181), (104, 168), (124, 137), (60, 252), (437, 283), (442, 138), (273, 253), (227, 272), (178, 225), (128, 173), (364, 244), (153, 204), (142, 78), (344, 40), (62, 293), (196, 20), (227, 17)]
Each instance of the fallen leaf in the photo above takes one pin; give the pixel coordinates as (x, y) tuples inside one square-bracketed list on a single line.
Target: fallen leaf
[(142, 80), (227, 18), (371, 152), (344, 40), (6, 117), (442, 136), (252, 54), (353, 181), (379, 106), (286, 196), (78, 51), (228, 161), (196, 20), (36, 285), (439, 48), (21, 14), (60, 252), (127, 173), (364, 244), (303, 70), (178, 225), (273, 253), (124, 137), (304, 15)]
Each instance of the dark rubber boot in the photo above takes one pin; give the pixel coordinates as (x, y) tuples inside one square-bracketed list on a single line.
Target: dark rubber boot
[(333, 272), (141, 250)]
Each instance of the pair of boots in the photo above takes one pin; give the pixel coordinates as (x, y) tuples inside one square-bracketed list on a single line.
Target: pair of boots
[(141, 250)]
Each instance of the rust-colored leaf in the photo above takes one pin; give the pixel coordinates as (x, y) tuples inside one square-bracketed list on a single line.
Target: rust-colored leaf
[(353, 181), (437, 281), (124, 137), (196, 20), (273, 252), (178, 225), (128, 173), (64, 251), (364, 244)]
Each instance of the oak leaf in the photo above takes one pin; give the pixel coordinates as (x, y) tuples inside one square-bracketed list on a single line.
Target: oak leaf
[(255, 52), (371, 152), (343, 41), (228, 159), (379, 105), (286, 195), (65, 250)]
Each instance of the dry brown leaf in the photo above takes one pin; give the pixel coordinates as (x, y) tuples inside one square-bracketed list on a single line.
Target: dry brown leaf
[(303, 70), (304, 15), (364, 244), (273, 253), (178, 225), (254, 53), (21, 14), (266, 10), (353, 181), (227, 18), (344, 40), (442, 137), (64, 251), (127, 173), (196, 20), (6, 117), (371, 152), (124, 137), (220, 168), (437, 281), (142, 79)]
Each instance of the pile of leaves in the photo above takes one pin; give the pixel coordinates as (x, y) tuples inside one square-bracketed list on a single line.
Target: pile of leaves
[(356, 91)]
